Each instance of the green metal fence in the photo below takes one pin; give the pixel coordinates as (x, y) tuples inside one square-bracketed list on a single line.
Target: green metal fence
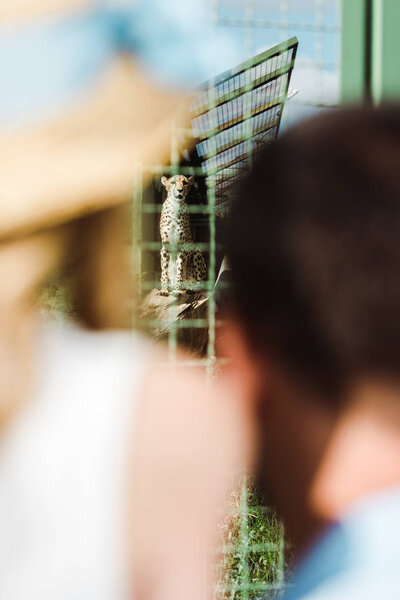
[(348, 51), (233, 117)]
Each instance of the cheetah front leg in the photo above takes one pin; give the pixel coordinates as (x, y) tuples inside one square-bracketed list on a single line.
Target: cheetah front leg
[(200, 266), (180, 270), (164, 271)]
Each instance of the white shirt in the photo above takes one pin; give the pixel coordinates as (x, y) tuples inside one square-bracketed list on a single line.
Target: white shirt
[(64, 470)]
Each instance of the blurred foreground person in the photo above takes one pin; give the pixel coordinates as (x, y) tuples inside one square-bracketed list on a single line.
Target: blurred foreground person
[(113, 464), (314, 336)]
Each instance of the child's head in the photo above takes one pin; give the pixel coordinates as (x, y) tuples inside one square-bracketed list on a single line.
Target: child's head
[(314, 246)]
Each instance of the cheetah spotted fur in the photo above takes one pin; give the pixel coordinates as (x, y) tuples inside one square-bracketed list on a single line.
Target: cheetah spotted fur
[(190, 265)]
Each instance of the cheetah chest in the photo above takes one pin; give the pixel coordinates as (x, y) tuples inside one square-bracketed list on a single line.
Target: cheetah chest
[(175, 225)]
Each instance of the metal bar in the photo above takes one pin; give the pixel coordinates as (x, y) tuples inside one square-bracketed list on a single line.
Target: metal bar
[(197, 209), (279, 25), (212, 248), (254, 61), (244, 542), (267, 547), (249, 10), (368, 51), (156, 246), (172, 323), (255, 587), (353, 55), (137, 226), (318, 37), (186, 324), (150, 285), (385, 78), (318, 64), (281, 555)]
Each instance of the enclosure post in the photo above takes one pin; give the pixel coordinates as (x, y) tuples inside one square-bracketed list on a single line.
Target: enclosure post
[(354, 50), (386, 50), (137, 226), (370, 50)]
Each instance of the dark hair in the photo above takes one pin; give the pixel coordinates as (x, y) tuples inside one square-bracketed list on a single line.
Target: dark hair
[(314, 244)]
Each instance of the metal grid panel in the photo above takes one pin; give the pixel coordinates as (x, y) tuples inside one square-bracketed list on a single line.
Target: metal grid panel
[(232, 117), (247, 109)]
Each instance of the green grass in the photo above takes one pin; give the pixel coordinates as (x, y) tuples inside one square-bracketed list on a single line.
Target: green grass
[(54, 302), (254, 560)]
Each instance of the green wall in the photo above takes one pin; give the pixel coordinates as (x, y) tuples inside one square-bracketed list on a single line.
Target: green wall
[(382, 59)]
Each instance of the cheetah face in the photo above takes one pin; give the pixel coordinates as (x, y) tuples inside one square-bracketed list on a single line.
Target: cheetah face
[(177, 186)]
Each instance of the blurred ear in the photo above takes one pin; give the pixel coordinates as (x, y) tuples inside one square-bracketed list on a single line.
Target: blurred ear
[(241, 368), (164, 181), (191, 180)]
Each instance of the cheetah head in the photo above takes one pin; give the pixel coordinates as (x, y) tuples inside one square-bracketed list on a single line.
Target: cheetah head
[(177, 186)]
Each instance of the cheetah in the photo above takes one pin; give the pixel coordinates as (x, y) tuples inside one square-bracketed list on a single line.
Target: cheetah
[(189, 265)]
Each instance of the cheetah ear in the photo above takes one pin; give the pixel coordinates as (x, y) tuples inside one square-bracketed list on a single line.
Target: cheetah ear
[(191, 180), (164, 181)]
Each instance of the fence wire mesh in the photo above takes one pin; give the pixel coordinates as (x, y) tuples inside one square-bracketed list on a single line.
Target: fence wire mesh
[(234, 115)]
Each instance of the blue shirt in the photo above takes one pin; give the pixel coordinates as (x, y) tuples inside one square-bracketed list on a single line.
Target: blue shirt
[(47, 62), (358, 559)]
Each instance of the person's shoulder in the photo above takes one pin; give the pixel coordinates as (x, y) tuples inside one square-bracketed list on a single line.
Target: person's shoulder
[(357, 557), (352, 586), (96, 364), (71, 339)]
